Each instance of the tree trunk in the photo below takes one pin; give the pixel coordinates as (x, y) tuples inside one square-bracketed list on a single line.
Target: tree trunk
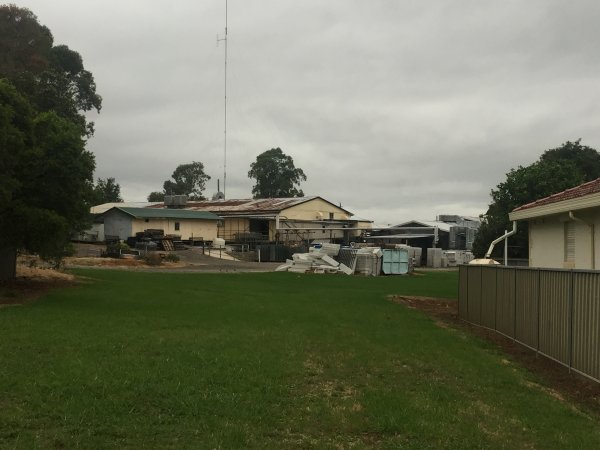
[(8, 264)]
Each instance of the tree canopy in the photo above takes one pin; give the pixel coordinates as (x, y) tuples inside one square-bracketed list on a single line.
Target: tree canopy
[(46, 186), (156, 196), (48, 177), (106, 191), (557, 169), (275, 175), (52, 78), (187, 179)]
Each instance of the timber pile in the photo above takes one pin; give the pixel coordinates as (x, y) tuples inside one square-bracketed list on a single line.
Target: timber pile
[(314, 262), (168, 245)]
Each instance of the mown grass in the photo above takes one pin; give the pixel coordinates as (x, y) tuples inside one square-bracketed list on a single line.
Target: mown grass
[(276, 360)]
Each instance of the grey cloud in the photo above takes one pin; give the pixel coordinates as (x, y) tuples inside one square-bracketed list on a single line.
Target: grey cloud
[(397, 109)]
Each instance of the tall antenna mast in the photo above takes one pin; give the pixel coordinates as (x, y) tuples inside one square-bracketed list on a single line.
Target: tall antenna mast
[(225, 109)]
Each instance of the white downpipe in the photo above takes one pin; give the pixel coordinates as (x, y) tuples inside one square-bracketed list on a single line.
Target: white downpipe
[(501, 238), (593, 237), (505, 249)]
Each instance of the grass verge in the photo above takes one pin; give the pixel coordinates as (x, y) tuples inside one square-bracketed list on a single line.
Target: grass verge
[(273, 360)]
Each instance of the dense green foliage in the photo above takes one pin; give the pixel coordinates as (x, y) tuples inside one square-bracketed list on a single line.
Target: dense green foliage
[(275, 175), (47, 175), (156, 196), (274, 360), (556, 170), (46, 179), (187, 179), (107, 191), (52, 78)]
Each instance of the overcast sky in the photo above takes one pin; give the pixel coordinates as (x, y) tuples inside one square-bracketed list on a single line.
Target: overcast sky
[(397, 110)]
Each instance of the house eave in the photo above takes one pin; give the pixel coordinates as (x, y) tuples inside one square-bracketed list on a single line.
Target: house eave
[(589, 201)]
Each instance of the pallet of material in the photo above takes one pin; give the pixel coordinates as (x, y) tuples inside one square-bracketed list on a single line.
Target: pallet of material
[(328, 249), (168, 245), (315, 262)]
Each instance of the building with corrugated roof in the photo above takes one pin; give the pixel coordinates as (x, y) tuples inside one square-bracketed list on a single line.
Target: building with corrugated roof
[(448, 232), (280, 219), (125, 222)]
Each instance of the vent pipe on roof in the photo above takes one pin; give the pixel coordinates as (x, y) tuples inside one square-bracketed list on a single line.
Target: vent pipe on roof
[(219, 195), (501, 238), (593, 237)]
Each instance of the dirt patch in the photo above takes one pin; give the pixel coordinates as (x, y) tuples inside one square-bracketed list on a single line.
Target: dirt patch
[(560, 383), (35, 276), (31, 283), (40, 274), (114, 262)]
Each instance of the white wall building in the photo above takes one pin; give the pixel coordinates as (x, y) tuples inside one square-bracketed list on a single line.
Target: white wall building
[(564, 228)]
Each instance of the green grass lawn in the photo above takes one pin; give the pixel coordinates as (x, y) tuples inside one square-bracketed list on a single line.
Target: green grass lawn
[(273, 360)]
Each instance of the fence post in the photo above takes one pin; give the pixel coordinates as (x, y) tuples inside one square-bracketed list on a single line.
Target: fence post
[(460, 284), (463, 271), (480, 295), (496, 303), (571, 287), (539, 277), (467, 299), (515, 304)]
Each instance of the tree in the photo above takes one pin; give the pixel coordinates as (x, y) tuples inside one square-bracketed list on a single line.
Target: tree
[(52, 78), (156, 196), (48, 178), (275, 175), (46, 186), (187, 179), (25, 43), (107, 191), (585, 158), (556, 170)]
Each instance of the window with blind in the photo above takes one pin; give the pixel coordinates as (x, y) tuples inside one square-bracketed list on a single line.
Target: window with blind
[(569, 241)]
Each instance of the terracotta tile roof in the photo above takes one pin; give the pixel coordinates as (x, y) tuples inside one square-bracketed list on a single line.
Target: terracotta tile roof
[(591, 187)]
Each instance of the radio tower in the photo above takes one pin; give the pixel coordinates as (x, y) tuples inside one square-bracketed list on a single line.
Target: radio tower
[(225, 104)]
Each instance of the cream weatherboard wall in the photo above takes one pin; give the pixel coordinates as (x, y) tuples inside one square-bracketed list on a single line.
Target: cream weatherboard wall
[(557, 241), (118, 223), (188, 228), (294, 222), (316, 209)]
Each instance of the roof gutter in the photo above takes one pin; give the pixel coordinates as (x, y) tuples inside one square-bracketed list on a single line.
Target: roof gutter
[(593, 237), (501, 238)]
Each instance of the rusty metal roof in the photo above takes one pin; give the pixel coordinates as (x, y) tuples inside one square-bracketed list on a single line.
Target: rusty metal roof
[(250, 206)]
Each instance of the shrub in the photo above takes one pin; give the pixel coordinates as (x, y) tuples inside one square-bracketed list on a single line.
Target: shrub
[(172, 257), (114, 249), (153, 259)]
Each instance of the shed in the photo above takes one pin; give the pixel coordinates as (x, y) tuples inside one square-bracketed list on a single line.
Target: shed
[(126, 222)]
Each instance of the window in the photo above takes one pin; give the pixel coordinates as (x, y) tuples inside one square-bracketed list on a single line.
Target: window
[(176, 226), (330, 216), (570, 242)]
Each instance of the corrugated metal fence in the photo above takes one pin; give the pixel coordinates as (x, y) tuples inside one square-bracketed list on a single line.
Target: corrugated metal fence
[(554, 312)]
